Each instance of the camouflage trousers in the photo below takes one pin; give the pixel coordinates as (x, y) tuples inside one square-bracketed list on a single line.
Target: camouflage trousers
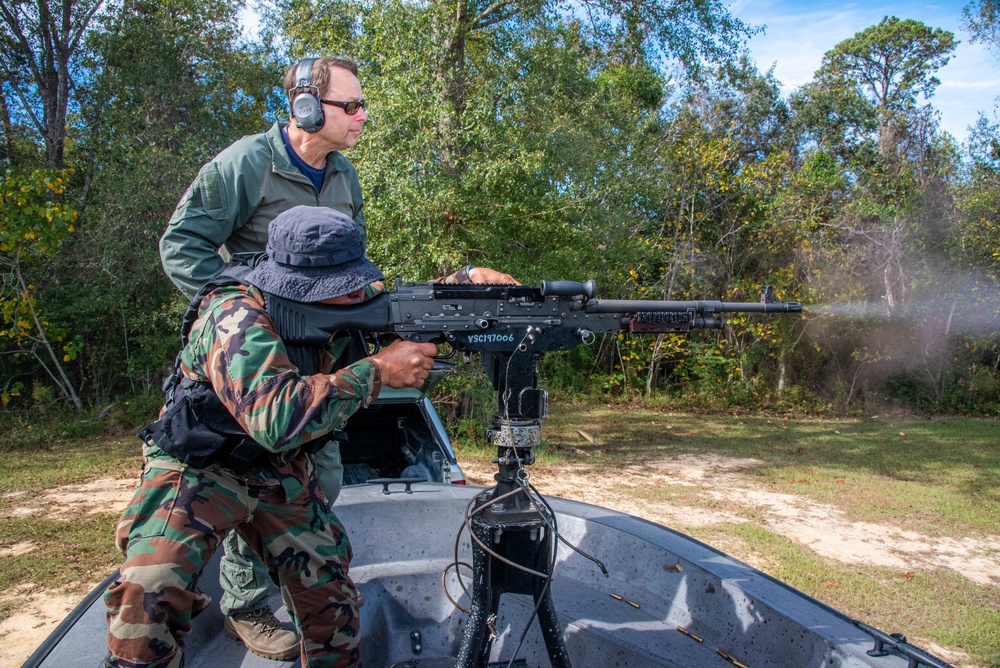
[(174, 524), (245, 583)]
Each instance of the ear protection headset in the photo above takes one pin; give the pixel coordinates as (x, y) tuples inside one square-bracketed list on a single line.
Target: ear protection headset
[(306, 107)]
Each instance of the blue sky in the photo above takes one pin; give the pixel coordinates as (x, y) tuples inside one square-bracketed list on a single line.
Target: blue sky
[(799, 33)]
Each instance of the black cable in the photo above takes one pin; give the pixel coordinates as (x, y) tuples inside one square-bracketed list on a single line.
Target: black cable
[(444, 584), (458, 537), (600, 564), (488, 549)]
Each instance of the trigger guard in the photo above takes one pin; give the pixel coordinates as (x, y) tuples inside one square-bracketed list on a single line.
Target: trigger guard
[(444, 358)]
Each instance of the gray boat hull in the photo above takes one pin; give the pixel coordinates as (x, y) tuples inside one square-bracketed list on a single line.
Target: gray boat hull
[(669, 601)]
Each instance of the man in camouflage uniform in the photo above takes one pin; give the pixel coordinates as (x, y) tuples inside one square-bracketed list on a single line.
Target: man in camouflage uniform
[(229, 205), (234, 448)]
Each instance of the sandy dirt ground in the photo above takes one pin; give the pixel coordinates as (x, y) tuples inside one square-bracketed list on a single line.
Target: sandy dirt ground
[(39, 611), (823, 528)]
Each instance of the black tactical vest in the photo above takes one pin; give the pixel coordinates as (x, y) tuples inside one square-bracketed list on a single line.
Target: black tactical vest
[(196, 427)]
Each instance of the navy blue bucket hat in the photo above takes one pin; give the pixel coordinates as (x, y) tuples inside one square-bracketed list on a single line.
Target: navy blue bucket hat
[(313, 253)]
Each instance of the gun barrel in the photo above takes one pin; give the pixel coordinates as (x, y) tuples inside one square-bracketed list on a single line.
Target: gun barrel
[(762, 307), (698, 306), (649, 306)]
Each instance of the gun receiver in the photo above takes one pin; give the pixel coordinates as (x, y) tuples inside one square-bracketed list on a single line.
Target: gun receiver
[(510, 326)]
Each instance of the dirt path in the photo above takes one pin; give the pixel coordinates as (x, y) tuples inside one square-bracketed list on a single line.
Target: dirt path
[(823, 528), (38, 614)]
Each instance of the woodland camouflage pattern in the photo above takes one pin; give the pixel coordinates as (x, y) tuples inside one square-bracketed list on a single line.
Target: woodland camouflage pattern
[(179, 514), (173, 526), (233, 346)]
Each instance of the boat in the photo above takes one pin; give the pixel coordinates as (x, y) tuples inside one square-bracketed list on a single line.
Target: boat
[(667, 599)]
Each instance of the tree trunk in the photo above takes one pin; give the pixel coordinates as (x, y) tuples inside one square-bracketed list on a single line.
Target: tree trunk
[(451, 30), (44, 38), (58, 376), (7, 159)]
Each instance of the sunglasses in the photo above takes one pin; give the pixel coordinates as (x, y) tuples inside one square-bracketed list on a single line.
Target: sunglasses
[(350, 108)]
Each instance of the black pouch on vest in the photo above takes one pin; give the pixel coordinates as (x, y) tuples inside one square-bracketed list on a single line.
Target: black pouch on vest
[(197, 429)]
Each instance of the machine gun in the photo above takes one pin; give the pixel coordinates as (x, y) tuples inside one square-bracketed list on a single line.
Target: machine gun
[(510, 327), (506, 323)]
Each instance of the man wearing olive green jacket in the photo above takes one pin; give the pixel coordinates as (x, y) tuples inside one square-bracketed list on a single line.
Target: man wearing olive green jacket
[(229, 206), (241, 190)]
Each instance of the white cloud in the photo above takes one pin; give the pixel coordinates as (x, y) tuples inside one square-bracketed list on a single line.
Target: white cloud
[(990, 84)]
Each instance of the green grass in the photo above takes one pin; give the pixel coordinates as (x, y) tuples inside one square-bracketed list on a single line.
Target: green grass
[(70, 554), (940, 476), (44, 467)]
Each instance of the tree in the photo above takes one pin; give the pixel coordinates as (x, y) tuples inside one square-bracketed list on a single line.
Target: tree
[(690, 32), (43, 41), (982, 19), (172, 83), (32, 225), (885, 67), (504, 131), (872, 188), (862, 108), (979, 199)]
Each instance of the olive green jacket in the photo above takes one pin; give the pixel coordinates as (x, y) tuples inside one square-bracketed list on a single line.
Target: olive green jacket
[(236, 195)]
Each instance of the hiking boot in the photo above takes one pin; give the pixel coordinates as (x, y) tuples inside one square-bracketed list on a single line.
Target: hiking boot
[(263, 634)]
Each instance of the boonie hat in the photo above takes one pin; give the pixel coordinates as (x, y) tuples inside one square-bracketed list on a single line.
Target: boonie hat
[(313, 253)]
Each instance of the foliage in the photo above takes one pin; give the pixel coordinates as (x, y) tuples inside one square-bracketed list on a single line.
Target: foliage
[(199, 92), (887, 65), (979, 199), (43, 43), (982, 19), (633, 143), (33, 224), (466, 401), (502, 133)]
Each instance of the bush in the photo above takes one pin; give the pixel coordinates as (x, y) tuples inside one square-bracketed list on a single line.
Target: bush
[(466, 402), (43, 397), (29, 428)]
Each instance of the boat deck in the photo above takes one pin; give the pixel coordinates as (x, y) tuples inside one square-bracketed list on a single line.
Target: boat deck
[(669, 600)]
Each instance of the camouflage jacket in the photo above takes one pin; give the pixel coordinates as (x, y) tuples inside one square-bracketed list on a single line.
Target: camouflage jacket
[(234, 348)]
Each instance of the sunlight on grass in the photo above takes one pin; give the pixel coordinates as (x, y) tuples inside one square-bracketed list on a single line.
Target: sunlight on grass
[(938, 476), (83, 553), (68, 462)]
